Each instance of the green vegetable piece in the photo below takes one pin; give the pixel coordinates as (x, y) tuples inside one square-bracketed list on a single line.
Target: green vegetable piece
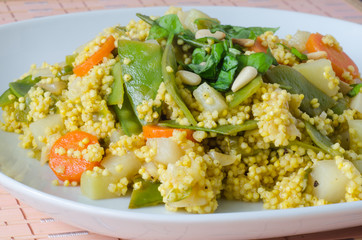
[(116, 96), (146, 195), (320, 140), (355, 90), (163, 27), (127, 118), (211, 68), (245, 92), (169, 61), (296, 83), (305, 146), (261, 61), (227, 73), (22, 115), (69, 59), (144, 69), (295, 52), (340, 106), (4, 98), (222, 129), (21, 87)]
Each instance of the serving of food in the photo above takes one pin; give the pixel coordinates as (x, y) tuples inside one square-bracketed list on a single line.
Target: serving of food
[(182, 110)]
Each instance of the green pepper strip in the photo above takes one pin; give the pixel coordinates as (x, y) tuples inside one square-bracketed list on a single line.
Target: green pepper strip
[(245, 92), (305, 146), (4, 98), (127, 118), (320, 140), (223, 129), (169, 60), (116, 96), (146, 195)]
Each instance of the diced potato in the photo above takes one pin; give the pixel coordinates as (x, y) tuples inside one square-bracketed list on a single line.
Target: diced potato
[(167, 150), (328, 181), (355, 131), (314, 73), (299, 40), (95, 186), (124, 166), (356, 102), (209, 98), (40, 127)]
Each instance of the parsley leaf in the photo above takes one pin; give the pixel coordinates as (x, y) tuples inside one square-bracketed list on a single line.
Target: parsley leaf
[(355, 90)]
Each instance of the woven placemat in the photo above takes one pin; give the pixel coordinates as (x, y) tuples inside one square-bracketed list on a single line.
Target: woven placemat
[(19, 221)]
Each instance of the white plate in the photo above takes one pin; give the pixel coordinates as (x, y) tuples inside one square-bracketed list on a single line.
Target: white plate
[(50, 39)]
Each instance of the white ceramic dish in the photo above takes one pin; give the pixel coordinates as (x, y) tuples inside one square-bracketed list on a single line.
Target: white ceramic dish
[(50, 39)]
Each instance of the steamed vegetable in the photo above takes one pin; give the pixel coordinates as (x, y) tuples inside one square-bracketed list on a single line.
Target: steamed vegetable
[(67, 167), (107, 47)]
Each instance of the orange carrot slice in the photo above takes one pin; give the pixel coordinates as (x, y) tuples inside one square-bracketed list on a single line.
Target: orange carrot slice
[(67, 166), (154, 131), (97, 57), (341, 62)]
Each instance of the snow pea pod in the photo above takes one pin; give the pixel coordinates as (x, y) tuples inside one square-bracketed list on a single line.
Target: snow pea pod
[(169, 67), (294, 82), (320, 140), (127, 118), (222, 129), (146, 195), (141, 70), (116, 96), (245, 92)]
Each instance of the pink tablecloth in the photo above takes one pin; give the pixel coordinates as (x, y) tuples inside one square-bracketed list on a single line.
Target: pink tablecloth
[(19, 221)]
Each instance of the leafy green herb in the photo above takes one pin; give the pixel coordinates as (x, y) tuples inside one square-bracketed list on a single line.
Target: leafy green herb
[(164, 26), (241, 32), (261, 61), (227, 73), (207, 65), (355, 90)]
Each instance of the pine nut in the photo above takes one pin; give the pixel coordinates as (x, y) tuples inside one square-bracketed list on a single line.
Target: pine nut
[(189, 78), (244, 42), (317, 55), (247, 74), (206, 33)]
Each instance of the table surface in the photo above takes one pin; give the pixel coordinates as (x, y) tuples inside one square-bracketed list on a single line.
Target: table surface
[(19, 221)]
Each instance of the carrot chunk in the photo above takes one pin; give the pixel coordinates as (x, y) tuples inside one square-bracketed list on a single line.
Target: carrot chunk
[(154, 131), (65, 158), (341, 62), (107, 47)]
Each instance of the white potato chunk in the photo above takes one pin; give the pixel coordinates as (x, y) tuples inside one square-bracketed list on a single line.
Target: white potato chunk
[(124, 166), (210, 99), (167, 150), (328, 181), (40, 128), (314, 72)]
